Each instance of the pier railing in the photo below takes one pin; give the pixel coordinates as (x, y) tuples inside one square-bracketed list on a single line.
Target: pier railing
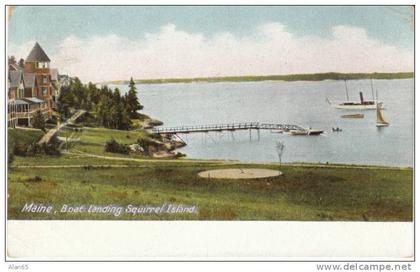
[(225, 127)]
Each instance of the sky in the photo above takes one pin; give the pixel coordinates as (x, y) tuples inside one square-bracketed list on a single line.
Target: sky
[(110, 43)]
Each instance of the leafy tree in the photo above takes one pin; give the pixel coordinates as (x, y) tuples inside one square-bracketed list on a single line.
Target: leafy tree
[(280, 149), (21, 63), (132, 100), (12, 60), (38, 120)]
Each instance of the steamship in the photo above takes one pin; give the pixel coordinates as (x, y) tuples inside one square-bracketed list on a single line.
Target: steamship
[(356, 105)]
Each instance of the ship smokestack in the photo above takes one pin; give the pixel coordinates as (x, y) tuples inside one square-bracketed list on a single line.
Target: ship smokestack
[(361, 97)]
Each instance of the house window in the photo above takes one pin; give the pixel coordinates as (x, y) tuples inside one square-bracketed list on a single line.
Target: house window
[(20, 93), (42, 64), (44, 79), (44, 91)]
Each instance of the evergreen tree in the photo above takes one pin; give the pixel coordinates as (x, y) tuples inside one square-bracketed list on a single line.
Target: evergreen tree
[(132, 100), (103, 111), (38, 120), (65, 101), (79, 92), (124, 122), (112, 110), (116, 96), (94, 93)]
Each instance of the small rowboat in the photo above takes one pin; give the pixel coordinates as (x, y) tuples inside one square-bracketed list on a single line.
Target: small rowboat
[(357, 115), (311, 132), (298, 132), (315, 132)]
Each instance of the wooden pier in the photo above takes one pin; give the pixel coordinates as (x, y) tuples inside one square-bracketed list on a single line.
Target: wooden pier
[(225, 127)]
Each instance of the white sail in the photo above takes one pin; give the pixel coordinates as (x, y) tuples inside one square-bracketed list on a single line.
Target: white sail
[(380, 119)]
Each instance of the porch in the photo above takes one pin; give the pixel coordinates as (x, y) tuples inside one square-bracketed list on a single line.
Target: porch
[(21, 111)]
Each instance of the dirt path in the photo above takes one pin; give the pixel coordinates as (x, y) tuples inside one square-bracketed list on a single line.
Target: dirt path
[(217, 162), (47, 137), (79, 166), (214, 163), (236, 173), (80, 153)]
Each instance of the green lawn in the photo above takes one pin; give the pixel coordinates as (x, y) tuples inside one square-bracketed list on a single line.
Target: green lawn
[(306, 192), (92, 140), (303, 193), (23, 136)]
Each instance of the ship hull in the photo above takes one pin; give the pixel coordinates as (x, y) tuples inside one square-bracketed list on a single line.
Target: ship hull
[(355, 107)]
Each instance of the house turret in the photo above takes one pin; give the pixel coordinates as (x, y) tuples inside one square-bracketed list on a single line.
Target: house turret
[(38, 63), (37, 60)]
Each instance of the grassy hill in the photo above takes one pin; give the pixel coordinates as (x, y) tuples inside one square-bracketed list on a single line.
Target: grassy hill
[(303, 192)]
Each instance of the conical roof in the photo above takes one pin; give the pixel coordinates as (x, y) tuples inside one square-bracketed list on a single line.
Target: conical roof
[(37, 54)]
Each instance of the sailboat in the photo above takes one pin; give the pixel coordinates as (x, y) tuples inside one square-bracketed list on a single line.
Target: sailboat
[(380, 120), (355, 105)]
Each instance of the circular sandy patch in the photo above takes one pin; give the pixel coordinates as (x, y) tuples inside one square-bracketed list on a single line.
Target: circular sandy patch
[(246, 173)]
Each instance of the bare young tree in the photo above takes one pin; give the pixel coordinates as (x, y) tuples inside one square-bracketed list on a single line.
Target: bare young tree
[(280, 149)]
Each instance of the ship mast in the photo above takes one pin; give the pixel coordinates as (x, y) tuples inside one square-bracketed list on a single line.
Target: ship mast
[(371, 87), (347, 92)]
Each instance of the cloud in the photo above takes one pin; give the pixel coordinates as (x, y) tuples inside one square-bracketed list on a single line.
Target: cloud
[(268, 49), (21, 51)]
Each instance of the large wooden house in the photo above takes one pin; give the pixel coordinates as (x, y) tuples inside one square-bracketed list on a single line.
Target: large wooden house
[(31, 88)]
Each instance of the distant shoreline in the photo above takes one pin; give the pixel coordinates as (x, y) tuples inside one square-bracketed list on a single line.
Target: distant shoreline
[(291, 77)]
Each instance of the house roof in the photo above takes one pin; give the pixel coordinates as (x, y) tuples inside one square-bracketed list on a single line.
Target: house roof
[(54, 74), (34, 100), (37, 54), (29, 80), (20, 102), (15, 78)]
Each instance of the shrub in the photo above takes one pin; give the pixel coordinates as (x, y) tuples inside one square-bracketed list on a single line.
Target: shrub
[(10, 157), (114, 147), (148, 145), (38, 120), (34, 179), (51, 149), (32, 149), (19, 140), (19, 149), (155, 136), (52, 120)]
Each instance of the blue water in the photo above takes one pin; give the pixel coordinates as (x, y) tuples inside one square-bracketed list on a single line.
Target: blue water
[(301, 103)]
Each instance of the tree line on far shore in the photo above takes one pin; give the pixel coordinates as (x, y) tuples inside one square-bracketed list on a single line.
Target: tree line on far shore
[(109, 107), (290, 77)]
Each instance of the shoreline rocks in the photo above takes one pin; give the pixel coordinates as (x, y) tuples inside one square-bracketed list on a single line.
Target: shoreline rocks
[(161, 146)]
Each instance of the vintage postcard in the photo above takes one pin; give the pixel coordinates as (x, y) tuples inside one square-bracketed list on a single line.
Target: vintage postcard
[(200, 115)]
